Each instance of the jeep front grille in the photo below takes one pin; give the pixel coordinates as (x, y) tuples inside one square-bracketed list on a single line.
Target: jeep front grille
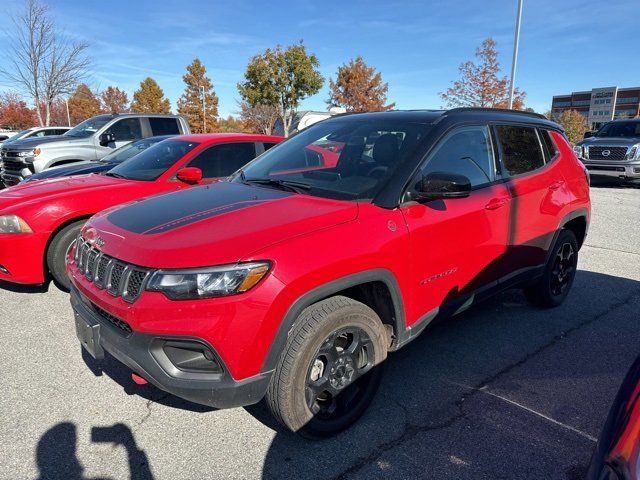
[(120, 279), (608, 153)]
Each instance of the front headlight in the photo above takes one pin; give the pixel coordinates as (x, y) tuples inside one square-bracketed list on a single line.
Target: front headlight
[(13, 224), (32, 153), (579, 151), (634, 153), (208, 282)]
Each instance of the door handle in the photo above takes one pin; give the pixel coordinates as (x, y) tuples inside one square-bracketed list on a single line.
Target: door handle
[(556, 185), (496, 203)]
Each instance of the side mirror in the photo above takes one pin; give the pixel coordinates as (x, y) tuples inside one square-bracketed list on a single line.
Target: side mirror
[(190, 175), (588, 134), (106, 139), (437, 185)]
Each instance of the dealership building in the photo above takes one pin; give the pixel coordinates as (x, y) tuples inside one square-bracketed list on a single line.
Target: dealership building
[(600, 104)]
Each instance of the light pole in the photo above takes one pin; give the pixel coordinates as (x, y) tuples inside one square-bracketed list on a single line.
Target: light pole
[(66, 102), (514, 61), (204, 112)]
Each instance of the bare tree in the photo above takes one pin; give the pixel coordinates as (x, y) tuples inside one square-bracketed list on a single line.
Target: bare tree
[(259, 118), (44, 63)]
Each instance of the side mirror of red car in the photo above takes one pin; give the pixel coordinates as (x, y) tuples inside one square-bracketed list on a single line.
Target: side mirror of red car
[(190, 175)]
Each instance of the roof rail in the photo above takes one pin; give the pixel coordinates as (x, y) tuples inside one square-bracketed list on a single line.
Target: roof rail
[(499, 110)]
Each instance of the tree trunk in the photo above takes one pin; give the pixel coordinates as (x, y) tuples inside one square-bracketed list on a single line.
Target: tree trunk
[(39, 110), (48, 110)]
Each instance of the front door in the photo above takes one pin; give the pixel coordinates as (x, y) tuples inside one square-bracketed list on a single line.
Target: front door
[(456, 244)]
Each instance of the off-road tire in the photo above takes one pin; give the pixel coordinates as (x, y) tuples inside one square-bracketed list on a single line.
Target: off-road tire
[(287, 392)]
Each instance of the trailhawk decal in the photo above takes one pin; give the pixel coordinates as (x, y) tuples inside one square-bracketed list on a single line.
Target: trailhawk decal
[(166, 212)]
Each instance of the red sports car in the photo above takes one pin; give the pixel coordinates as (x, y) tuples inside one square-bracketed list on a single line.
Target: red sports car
[(39, 221)]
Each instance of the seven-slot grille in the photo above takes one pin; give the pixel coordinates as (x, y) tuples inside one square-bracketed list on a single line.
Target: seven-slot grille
[(120, 279), (614, 153)]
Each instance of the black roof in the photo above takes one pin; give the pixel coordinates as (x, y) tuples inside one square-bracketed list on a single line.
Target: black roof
[(457, 114)]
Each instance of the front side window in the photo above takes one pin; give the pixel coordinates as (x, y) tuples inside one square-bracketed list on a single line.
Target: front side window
[(126, 130), (224, 159), (466, 151), (342, 158), (89, 127), (164, 126), (521, 150), (154, 161)]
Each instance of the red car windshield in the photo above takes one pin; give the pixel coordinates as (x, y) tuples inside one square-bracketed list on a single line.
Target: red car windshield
[(345, 159), (149, 164)]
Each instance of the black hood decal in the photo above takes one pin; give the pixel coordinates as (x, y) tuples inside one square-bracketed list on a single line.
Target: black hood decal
[(166, 212)]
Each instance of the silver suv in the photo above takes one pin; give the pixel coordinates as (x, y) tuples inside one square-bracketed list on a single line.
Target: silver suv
[(90, 140), (613, 151)]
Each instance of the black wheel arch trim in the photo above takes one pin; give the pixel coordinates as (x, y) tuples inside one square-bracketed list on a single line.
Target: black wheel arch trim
[(578, 213), (326, 290)]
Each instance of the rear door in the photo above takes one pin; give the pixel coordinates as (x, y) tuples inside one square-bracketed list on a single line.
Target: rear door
[(537, 187), (456, 244)]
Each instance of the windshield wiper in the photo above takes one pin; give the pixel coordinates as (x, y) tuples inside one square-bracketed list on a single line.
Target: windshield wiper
[(283, 184), (115, 175)]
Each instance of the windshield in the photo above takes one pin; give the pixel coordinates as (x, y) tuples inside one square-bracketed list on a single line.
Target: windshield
[(89, 127), (344, 158), (129, 150), (154, 161), (620, 129)]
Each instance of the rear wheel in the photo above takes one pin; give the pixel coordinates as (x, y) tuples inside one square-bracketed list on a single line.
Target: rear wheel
[(559, 273), (330, 369), (58, 251)]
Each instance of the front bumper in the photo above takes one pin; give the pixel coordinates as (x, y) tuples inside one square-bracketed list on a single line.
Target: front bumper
[(143, 353), (624, 171), (22, 257)]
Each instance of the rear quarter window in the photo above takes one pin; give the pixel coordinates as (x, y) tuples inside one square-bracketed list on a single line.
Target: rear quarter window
[(164, 126), (521, 149), (549, 146)]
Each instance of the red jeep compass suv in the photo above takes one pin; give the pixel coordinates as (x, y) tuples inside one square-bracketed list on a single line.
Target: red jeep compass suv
[(294, 279)]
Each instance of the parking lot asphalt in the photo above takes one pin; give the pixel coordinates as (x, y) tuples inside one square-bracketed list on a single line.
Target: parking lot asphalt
[(503, 390)]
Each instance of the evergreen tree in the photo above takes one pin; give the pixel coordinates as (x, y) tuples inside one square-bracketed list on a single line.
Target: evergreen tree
[(149, 98), (190, 103)]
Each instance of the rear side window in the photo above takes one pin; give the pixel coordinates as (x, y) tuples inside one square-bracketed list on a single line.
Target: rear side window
[(164, 126), (549, 146), (224, 159), (466, 151), (268, 145), (521, 149)]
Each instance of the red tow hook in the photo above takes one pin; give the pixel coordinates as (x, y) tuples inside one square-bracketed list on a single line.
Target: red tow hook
[(138, 379)]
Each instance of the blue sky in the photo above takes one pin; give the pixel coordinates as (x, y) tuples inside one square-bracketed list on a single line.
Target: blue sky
[(417, 45)]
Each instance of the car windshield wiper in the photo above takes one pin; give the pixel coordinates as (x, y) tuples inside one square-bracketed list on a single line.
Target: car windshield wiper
[(115, 175), (283, 184)]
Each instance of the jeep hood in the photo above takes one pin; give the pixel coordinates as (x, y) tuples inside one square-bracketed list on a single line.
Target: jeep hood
[(212, 225), (45, 192)]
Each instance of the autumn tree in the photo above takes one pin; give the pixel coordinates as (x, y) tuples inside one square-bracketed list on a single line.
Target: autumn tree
[(281, 78), (574, 124), (259, 118), (41, 61), (83, 104), (149, 98), (190, 103), (359, 88), (231, 124), (114, 100), (480, 84), (14, 112)]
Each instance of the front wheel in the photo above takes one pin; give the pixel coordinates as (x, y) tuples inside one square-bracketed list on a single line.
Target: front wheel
[(559, 273), (58, 251), (330, 369)]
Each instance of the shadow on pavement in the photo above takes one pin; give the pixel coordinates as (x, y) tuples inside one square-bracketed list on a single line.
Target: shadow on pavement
[(57, 459)]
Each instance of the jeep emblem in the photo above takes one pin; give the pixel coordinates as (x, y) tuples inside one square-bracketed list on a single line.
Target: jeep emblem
[(606, 153)]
